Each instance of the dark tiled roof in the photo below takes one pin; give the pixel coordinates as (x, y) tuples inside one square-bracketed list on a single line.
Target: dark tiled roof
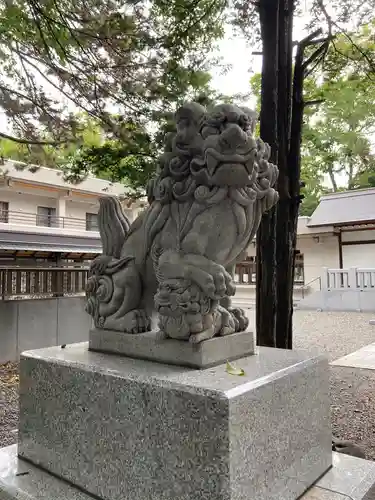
[(52, 243), (348, 207)]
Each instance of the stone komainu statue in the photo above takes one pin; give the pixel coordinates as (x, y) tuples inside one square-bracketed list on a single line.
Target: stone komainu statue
[(177, 259)]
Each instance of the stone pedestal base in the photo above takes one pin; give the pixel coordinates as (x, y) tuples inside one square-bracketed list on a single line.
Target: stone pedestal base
[(126, 429), (349, 479), (152, 347)]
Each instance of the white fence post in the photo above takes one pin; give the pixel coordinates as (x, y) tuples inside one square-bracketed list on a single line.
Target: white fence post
[(352, 278), (324, 278)]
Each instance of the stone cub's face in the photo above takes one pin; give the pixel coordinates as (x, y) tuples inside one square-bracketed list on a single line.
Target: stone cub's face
[(229, 148), (188, 140)]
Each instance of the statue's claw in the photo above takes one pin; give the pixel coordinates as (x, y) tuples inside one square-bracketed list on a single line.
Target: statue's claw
[(135, 321), (100, 264), (197, 338), (228, 322), (240, 316), (139, 321)]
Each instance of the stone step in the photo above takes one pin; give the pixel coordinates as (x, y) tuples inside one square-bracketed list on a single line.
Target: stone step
[(349, 478)]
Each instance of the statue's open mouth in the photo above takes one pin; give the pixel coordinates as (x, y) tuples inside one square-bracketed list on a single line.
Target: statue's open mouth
[(230, 169)]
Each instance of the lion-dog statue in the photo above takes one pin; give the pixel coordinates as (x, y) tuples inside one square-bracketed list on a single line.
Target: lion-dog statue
[(177, 259)]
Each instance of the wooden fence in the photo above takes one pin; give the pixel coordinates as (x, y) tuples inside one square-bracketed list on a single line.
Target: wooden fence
[(18, 282), (41, 282), (245, 273)]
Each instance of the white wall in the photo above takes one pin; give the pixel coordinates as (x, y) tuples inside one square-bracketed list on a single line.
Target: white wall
[(33, 324), (317, 255), (358, 256), (78, 210), (23, 208), (251, 251), (25, 203), (367, 235)]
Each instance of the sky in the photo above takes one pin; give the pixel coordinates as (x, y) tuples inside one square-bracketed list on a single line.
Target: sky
[(234, 52), (237, 53)]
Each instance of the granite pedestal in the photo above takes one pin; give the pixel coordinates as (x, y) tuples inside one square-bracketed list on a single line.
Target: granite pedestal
[(349, 479), (153, 347), (127, 429)]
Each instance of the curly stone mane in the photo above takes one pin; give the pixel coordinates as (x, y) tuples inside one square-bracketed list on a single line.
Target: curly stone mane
[(202, 138)]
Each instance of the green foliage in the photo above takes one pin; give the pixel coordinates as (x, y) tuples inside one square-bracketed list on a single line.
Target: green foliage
[(126, 66), (337, 131), (90, 134)]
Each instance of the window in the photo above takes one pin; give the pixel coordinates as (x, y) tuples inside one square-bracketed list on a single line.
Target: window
[(46, 216), (92, 222), (299, 275), (4, 211)]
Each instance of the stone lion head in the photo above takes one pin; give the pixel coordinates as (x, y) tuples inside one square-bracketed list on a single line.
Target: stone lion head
[(215, 149), (229, 148)]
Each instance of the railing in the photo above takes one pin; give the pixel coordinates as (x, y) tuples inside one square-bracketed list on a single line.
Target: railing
[(35, 283), (245, 273), (349, 279), (30, 219), (365, 278), (306, 286), (337, 279)]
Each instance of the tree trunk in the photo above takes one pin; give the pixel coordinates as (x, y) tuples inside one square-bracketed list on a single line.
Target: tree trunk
[(332, 178), (284, 222), (266, 302), (294, 165), (281, 116)]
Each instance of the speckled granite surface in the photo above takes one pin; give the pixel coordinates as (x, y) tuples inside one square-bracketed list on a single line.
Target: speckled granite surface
[(149, 346), (126, 429), (20, 480), (349, 479)]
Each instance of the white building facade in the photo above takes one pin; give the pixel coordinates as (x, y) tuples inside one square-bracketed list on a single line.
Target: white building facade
[(42, 216)]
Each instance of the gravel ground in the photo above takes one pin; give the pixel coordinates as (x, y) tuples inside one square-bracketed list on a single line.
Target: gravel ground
[(336, 334), (8, 403), (353, 407)]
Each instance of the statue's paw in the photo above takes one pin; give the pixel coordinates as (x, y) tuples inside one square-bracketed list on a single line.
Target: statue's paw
[(100, 264), (197, 338), (228, 327), (227, 330), (136, 321), (223, 284), (226, 324), (240, 317), (231, 287)]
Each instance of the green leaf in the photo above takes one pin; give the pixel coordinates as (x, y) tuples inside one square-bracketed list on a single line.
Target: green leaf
[(232, 370)]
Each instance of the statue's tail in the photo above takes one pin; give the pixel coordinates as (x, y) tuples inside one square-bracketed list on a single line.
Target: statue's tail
[(113, 226)]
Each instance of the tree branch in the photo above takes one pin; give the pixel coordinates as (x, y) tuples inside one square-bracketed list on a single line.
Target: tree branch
[(332, 23), (314, 102), (317, 56), (326, 15), (32, 142), (4, 88)]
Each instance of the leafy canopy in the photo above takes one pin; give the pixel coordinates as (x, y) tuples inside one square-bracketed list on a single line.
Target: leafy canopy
[(339, 129)]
